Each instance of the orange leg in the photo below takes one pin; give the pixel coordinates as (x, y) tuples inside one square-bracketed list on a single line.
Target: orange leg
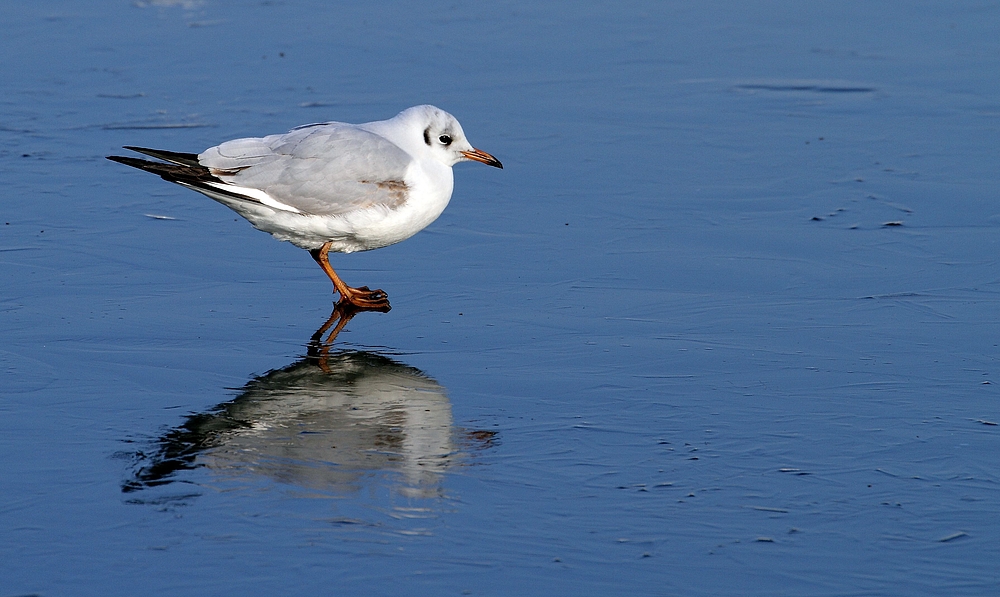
[(363, 298)]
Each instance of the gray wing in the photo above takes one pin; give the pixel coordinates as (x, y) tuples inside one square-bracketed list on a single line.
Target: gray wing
[(320, 169)]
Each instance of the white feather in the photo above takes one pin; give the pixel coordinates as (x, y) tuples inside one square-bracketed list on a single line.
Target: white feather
[(256, 194)]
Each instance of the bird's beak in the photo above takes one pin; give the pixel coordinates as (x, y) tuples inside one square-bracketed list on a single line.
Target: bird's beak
[(482, 156)]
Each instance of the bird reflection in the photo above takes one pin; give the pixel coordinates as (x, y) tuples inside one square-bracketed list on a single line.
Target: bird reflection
[(328, 422)]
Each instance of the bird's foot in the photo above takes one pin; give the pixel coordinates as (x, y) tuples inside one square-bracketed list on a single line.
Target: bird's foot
[(365, 299)]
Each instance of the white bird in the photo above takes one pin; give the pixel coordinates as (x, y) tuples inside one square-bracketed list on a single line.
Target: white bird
[(332, 186)]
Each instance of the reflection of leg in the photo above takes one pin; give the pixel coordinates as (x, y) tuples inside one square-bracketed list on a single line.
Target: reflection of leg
[(340, 317), (320, 348), (362, 297)]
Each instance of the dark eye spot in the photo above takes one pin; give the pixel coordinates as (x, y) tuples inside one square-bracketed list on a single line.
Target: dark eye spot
[(427, 136), (445, 139)]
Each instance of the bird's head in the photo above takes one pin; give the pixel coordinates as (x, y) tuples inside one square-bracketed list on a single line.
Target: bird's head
[(433, 132)]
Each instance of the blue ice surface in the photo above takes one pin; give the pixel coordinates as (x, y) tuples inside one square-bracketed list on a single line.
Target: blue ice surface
[(725, 324)]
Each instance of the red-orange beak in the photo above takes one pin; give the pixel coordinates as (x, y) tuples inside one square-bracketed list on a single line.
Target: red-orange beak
[(482, 156)]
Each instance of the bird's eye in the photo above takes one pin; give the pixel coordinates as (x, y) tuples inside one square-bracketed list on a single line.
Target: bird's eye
[(445, 139)]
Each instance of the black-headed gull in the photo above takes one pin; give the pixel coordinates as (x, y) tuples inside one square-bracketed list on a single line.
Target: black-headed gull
[(332, 186)]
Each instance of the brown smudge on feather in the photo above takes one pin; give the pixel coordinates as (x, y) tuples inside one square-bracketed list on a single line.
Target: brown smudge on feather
[(227, 171), (395, 192)]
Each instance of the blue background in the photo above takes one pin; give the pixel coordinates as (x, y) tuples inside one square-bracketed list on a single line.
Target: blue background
[(729, 313)]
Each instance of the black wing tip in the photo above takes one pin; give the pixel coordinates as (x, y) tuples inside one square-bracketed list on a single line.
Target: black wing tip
[(130, 161), (186, 175), (173, 157), (134, 162), (144, 150)]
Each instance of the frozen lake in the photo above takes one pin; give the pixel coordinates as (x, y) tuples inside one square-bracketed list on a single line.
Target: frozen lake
[(726, 323)]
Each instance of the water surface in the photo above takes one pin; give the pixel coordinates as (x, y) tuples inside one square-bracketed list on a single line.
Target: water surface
[(724, 324)]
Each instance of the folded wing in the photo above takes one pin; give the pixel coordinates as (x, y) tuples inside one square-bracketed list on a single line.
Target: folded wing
[(323, 169)]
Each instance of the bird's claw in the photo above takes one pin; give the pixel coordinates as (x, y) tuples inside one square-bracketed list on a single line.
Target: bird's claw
[(370, 294), (366, 299)]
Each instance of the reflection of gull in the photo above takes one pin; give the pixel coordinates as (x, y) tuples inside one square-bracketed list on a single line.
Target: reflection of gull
[(325, 422)]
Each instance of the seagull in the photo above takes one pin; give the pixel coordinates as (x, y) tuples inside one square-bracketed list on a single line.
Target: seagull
[(332, 186)]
